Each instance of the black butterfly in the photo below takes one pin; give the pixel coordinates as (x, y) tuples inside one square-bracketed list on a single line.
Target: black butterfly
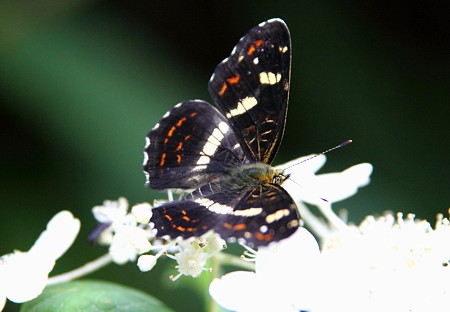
[(222, 156)]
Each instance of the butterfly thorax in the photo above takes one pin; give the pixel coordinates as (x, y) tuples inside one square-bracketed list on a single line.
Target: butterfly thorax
[(260, 173)]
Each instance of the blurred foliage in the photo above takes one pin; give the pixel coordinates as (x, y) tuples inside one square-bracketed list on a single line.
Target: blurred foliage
[(82, 82)]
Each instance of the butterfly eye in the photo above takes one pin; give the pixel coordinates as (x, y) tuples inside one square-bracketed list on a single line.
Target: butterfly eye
[(280, 177), (277, 180)]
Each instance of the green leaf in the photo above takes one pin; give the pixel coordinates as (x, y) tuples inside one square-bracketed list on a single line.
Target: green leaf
[(93, 296)]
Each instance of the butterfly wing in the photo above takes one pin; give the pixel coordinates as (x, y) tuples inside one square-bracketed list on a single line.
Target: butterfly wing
[(263, 215), (256, 216), (251, 88), (191, 145), (197, 147)]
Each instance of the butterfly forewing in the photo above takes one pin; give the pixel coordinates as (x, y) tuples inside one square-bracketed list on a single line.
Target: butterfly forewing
[(190, 146), (251, 88)]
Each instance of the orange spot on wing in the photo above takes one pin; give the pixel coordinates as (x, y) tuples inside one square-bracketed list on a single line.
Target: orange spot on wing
[(183, 229), (193, 114), (187, 137), (263, 237), (168, 217), (179, 147), (251, 50), (240, 226), (180, 122), (163, 159), (224, 88), (258, 43), (178, 159), (237, 227), (234, 80), (166, 140), (186, 218), (170, 133), (253, 47)]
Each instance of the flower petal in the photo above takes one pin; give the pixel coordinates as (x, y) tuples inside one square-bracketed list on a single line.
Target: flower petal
[(25, 276), (285, 267), (142, 212), (146, 262), (60, 234), (111, 210), (291, 264), (300, 246), (127, 243), (2, 302), (236, 291), (337, 186)]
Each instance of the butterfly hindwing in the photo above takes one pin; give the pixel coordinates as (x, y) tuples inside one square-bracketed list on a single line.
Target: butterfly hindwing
[(188, 147), (251, 88), (182, 218), (257, 215), (264, 214)]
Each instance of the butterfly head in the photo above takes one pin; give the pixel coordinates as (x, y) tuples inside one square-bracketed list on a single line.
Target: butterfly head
[(279, 176)]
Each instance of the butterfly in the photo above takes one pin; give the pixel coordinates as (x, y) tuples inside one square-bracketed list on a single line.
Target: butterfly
[(221, 156)]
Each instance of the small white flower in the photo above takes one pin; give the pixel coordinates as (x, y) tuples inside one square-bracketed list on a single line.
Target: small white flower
[(214, 242), (24, 275), (127, 233), (146, 262), (191, 262), (142, 212), (111, 210), (127, 243), (193, 254)]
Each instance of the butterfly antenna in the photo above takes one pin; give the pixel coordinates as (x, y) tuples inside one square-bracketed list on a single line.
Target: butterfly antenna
[(322, 153)]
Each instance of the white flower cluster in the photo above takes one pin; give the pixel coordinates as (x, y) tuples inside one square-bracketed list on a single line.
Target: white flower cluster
[(128, 235), (191, 255), (386, 264), (390, 263), (24, 275)]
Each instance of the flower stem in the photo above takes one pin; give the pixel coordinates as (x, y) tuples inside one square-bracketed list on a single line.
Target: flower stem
[(316, 225), (216, 272), (81, 271), (333, 218)]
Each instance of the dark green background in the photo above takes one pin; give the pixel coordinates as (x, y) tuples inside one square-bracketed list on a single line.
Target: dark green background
[(82, 82)]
